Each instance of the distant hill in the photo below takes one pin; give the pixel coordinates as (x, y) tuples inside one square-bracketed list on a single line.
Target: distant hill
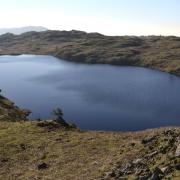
[(21, 30), (157, 52)]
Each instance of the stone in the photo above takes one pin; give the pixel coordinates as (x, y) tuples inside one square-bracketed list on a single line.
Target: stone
[(177, 166), (113, 174), (23, 147), (4, 160), (126, 168), (42, 166), (168, 132), (177, 153), (58, 139), (138, 161), (164, 169), (164, 149), (152, 154), (157, 174), (145, 177), (148, 140)]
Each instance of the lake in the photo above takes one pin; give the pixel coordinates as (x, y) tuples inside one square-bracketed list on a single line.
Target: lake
[(94, 97)]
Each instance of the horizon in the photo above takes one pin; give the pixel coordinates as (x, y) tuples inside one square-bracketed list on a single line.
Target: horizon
[(116, 17), (76, 30)]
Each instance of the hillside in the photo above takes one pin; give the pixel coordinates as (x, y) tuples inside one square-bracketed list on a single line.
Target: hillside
[(47, 150), (156, 52)]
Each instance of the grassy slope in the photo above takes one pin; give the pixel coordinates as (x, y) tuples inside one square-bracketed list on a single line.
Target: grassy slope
[(157, 52), (84, 155), (73, 154), (69, 154)]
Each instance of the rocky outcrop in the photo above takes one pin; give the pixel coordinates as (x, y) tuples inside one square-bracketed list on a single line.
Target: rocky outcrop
[(158, 159), (10, 112)]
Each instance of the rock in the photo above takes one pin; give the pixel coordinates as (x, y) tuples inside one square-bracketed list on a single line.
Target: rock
[(138, 172), (4, 160), (164, 149), (169, 132), (142, 177), (95, 163), (152, 154), (42, 166), (157, 174), (171, 141), (58, 139), (148, 140), (139, 165), (49, 125), (138, 161), (126, 168), (23, 147), (177, 166), (164, 169), (177, 153), (113, 174)]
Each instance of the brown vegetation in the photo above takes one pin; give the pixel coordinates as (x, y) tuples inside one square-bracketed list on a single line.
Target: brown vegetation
[(158, 52)]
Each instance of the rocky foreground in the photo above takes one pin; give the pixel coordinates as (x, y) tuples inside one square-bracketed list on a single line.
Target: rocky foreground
[(157, 52), (48, 150), (159, 158)]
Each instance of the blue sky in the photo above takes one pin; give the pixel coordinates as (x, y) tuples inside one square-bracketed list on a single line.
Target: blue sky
[(111, 17)]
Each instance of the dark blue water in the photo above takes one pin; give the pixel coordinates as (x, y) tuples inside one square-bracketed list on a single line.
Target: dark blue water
[(100, 97)]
